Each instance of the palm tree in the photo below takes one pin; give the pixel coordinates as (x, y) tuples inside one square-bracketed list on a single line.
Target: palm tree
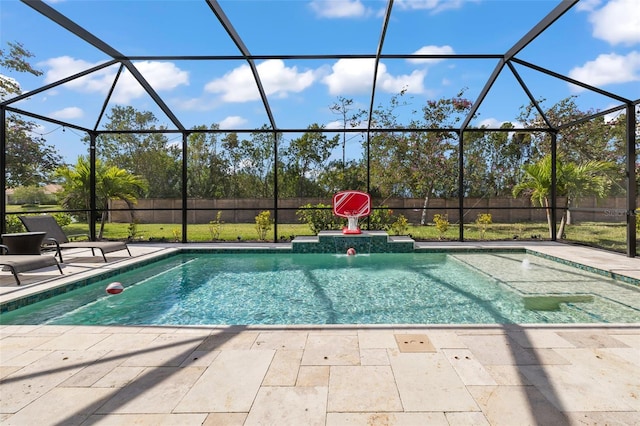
[(111, 183), (585, 179), (572, 181)]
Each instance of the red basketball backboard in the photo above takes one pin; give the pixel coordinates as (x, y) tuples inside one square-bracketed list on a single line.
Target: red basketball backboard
[(351, 204)]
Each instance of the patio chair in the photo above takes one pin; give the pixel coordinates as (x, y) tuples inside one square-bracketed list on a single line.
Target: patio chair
[(24, 262), (56, 237)]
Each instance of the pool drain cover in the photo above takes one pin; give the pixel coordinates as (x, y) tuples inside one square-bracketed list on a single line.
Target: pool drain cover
[(414, 343)]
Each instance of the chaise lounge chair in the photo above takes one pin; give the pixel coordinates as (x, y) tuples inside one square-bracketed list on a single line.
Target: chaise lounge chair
[(25, 262), (56, 237)]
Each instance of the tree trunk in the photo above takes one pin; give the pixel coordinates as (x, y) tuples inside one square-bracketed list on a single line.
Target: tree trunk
[(103, 219), (563, 222), (423, 218), (549, 222), (565, 219)]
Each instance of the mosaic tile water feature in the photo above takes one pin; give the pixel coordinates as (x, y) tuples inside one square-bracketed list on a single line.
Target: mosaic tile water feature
[(367, 242)]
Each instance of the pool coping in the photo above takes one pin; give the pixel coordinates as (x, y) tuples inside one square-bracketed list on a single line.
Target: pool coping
[(59, 286)]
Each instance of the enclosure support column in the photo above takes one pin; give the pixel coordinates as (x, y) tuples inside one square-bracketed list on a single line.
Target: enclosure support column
[(3, 161), (275, 187), (552, 195), (368, 173), (93, 207), (631, 181), (461, 186), (185, 136)]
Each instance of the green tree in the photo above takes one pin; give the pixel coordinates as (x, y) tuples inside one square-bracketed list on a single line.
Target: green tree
[(111, 183), (336, 177), (257, 164), (29, 160), (232, 156), (149, 155), (494, 160), (572, 181), (596, 139), (207, 175), (419, 164), (306, 157)]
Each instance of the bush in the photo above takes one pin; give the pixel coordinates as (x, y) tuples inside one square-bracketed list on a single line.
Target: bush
[(381, 219), (442, 224), (263, 224), (63, 219), (400, 226), (215, 226), (483, 220), (319, 217), (13, 224)]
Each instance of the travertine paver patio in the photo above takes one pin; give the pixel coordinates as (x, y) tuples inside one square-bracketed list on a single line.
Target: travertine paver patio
[(511, 375), (334, 375)]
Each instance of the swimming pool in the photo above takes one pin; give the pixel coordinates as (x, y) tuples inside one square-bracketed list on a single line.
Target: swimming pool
[(285, 288)]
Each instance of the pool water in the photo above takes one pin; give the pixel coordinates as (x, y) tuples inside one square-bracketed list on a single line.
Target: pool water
[(417, 288)]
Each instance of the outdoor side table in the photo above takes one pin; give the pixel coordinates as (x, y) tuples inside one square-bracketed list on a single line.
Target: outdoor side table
[(23, 242)]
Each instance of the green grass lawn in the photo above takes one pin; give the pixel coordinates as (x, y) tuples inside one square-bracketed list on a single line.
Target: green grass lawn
[(610, 236)]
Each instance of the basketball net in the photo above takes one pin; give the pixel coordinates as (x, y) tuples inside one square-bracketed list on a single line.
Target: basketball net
[(352, 223)]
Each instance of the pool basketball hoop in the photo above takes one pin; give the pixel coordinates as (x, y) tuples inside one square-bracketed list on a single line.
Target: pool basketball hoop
[(352, 205)]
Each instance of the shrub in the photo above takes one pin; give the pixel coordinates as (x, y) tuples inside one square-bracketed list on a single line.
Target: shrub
[(442, 224), (400, 226), (215, 226), (63, 219), (483, 220), (319, 217), (380, 219), (263, 224), (13, 224)]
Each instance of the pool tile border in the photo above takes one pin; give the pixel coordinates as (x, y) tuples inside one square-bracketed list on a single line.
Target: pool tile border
[(67, 287)]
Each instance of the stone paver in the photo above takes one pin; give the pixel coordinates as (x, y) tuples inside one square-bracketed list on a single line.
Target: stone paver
[(598, 381)]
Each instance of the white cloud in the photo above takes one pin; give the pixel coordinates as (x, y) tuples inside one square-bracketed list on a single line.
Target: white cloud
[(494, 123), (339, 125), (65, 66), (160, 75), (351, 76), (67, 113), (339, 8), (431, 50), (587, 5), (232, 122), (434, 5), (608, 69), (411, 82), (336, 124), (278, 80), (617, 22)]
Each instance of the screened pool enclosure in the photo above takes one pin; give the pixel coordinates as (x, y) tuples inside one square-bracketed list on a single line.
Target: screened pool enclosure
[(239, 120)]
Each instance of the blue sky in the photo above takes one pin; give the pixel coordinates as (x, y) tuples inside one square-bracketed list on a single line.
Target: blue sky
[(596, 42)]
